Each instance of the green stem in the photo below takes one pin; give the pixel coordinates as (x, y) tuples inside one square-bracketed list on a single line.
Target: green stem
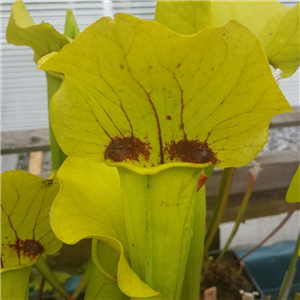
[(238, 272), (240, 215), (14, 284), (219, 209), (290, 273), (159, 214), (58, 157), (83, 282), (41, 289), (191, 285), (71, 27), (46, 272)]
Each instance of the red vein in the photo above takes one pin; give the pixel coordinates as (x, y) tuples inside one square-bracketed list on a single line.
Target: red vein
[(182, 106), (27, 212), (15, 232), (155, 114), (121, 105), (38, 214)]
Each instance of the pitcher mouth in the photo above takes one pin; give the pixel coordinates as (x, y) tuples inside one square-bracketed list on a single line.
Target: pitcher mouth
[(155, 169), (131, 152)]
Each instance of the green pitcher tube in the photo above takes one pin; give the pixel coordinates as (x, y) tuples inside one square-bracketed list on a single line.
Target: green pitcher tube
[(159, 213), (14, 284)]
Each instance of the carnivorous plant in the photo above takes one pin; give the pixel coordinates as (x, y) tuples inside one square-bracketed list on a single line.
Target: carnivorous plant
[(141, 112), (160, 107)]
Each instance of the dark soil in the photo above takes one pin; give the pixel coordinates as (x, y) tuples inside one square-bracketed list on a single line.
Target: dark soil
[(229, 279)]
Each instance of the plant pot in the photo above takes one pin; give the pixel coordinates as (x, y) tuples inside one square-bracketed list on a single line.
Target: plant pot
[(268, 265), (230, 278)]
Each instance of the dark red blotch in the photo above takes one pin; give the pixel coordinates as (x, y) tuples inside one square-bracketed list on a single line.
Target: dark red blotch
[(127, 148), (191, 152), (27, 248)]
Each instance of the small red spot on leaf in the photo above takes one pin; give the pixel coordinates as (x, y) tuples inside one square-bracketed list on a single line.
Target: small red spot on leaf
[(169, 118), (178, 65)]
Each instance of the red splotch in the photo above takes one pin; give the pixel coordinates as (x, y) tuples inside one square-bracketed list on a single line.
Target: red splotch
[(28, 248), (128, 148), (191, 152)]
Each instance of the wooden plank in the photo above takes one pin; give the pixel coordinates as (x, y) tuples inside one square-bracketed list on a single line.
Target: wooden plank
[(261, 204), (270, 188), (35, 162), (277, 172), (24, 141)]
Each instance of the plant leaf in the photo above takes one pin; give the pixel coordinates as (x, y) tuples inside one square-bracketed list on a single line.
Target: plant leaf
[(138, 95), (42, 38), (99, 286), (57, 155), (159, 213), (25, 227), (191, 286), (275, 25), (89, 205), (293, 193), (14, 284), (71, 27)]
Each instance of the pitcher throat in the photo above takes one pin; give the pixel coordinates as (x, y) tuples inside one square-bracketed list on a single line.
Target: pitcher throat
[(159, 214)]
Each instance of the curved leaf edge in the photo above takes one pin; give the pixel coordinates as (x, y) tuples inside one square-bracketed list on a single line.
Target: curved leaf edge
[(123, 265), (293, 192), (286, 108), (33, 261), (123, 280)]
